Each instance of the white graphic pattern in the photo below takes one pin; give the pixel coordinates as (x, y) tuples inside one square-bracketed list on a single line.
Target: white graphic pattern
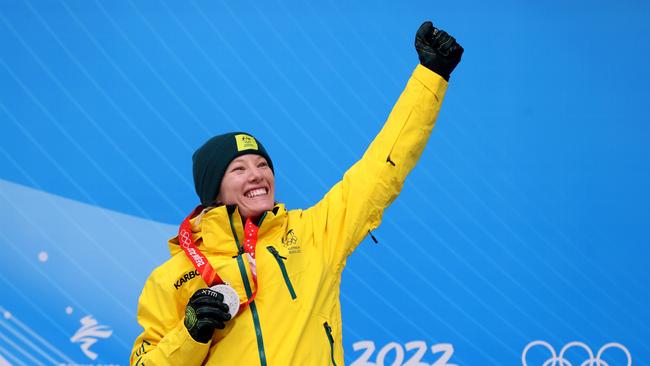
[(88, 333), (560, 360)]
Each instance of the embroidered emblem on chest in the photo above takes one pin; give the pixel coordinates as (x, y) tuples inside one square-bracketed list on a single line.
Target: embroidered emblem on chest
[(290, 242)]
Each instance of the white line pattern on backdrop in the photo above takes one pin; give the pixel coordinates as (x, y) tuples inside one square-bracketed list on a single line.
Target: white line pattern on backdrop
[(27, 331), (54, 284), (532, 248), (84, 112), (120, 71), (5, 362), (47, 237), (62, 130), (20, 349), (73, 223), (5, 282), (183, 178)]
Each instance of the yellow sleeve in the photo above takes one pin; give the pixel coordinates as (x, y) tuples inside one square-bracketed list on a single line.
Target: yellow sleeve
[(165, 340), (355, 205)]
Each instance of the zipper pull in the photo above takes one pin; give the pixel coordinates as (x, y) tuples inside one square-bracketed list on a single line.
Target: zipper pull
[(274, 251), (328, 331), (327, 328), (373, 237), (240, 251)]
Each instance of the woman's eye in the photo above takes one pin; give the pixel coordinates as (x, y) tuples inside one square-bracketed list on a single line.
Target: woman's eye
[(262, 164), (238, 168)]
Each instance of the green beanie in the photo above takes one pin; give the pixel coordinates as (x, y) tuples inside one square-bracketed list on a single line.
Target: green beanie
[(210, 161)]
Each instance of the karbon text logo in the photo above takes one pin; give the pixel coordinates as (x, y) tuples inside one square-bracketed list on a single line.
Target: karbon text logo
[(588, 359)]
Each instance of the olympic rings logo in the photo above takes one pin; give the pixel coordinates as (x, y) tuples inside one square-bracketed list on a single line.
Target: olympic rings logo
[(559, 360), (185, 239)]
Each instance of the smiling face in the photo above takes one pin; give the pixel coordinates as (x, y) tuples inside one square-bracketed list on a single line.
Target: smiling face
[(248, 183)]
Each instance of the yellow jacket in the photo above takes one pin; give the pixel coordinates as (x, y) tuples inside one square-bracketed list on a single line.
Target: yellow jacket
[(296, 317)]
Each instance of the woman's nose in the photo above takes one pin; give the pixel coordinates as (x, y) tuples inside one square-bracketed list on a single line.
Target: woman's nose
[(255, 174)]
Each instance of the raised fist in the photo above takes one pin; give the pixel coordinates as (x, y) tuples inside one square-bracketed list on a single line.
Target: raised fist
[(437, 50)]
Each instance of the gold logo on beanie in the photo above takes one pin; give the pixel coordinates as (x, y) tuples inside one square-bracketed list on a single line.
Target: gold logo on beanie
[(245, 142)]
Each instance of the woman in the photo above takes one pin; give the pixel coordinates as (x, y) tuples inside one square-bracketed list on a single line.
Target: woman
[(276, 272)]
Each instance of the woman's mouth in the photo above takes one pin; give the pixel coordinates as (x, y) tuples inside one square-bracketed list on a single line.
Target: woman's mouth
[(256, 192)]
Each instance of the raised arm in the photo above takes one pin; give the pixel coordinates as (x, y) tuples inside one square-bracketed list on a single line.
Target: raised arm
[(355, 205)]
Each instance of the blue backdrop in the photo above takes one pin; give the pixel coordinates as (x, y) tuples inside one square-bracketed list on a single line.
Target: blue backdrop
[(520, 238)]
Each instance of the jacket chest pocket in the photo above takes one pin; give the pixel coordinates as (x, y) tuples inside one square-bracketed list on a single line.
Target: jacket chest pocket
[(281, 268)]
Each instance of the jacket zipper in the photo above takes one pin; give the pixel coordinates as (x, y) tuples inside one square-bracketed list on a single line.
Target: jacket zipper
[(280, 259), (328, 331), (249, 293)]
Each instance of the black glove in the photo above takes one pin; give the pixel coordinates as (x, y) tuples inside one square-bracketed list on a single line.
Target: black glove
[(437, 50), (204, 312)]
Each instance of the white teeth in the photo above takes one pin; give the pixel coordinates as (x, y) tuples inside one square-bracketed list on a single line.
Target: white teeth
[(256, 192)]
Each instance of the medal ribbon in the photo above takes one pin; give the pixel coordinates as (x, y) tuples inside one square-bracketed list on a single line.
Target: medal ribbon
[(199, 260)]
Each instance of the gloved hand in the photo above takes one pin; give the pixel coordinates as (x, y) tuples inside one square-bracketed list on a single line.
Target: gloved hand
[(437, 50), (204, 313)]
